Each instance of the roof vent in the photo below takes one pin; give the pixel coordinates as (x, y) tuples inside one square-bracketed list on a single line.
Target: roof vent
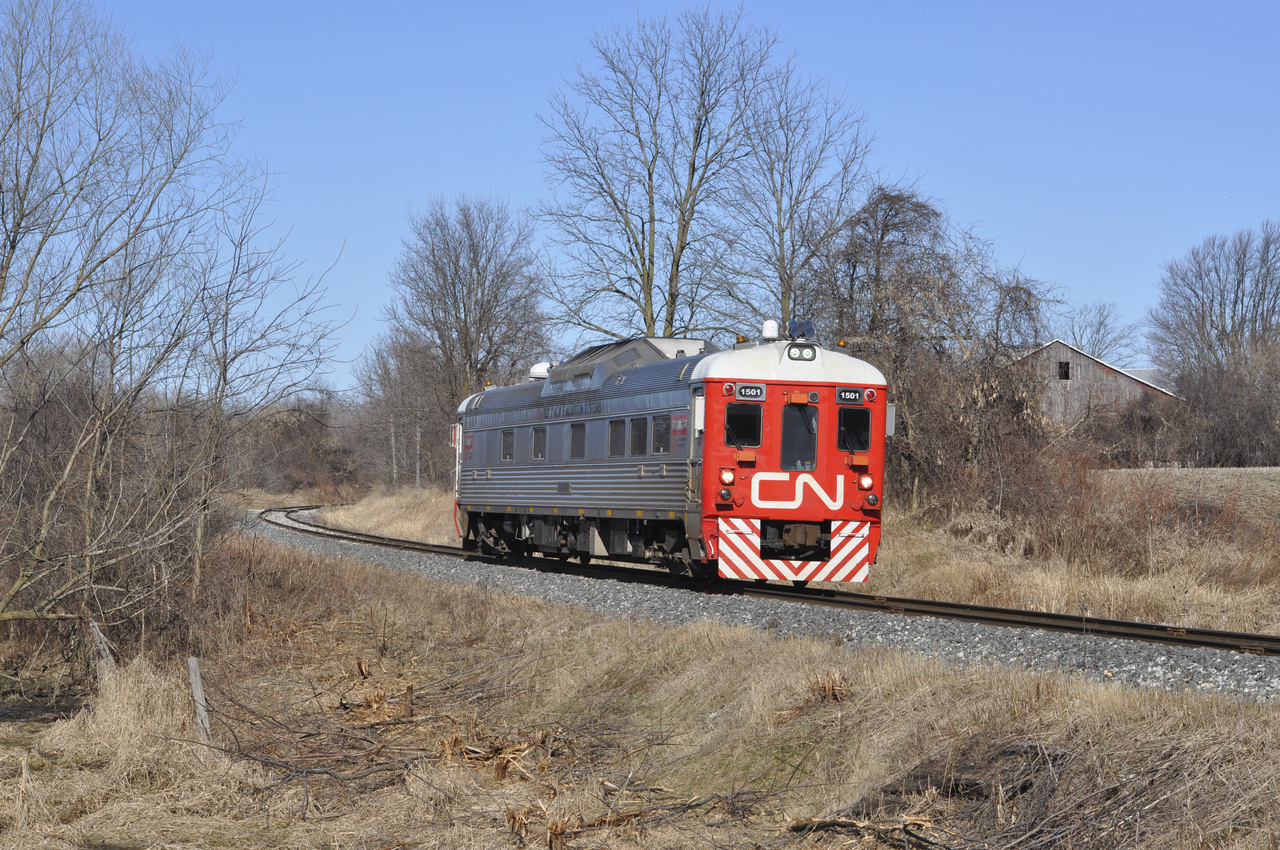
[(540, 371)]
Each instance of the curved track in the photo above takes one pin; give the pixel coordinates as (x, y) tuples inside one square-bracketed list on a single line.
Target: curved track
[(1256, 644)]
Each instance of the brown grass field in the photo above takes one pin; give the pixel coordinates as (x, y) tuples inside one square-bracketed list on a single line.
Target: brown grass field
[(356, 707)]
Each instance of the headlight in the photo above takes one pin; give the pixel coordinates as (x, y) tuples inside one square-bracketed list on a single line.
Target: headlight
[(865, 482), (726, 496), (726, 476), (804, 353)]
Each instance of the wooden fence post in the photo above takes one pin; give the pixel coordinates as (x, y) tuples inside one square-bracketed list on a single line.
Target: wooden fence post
[(197, 696)]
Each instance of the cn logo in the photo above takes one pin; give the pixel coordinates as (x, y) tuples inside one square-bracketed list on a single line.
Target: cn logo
[(803, 479)]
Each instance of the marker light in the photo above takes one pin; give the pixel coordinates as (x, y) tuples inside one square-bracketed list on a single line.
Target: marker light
[(870, 394), (728, 389), (865, 482), (726, 496), (873, 500), (726, 476)]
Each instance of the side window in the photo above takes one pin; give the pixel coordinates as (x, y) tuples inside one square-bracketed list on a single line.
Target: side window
[(799, 437), (617, 437), (743, 425), (853, 430), (508, 445), (578, 440), (662, 434), (539, 443), (639, 437)]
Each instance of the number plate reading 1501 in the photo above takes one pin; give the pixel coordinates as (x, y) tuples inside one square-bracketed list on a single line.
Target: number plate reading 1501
[(849, 395), (751, 392)]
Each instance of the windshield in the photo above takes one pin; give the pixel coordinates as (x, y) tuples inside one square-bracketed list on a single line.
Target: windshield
[(742, 425), (799, 437), (853, 433)]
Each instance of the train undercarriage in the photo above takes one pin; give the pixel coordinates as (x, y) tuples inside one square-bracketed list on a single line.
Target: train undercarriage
[(661, 543)]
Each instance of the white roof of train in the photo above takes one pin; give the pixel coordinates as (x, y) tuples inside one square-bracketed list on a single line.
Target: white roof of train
[(769, 362)]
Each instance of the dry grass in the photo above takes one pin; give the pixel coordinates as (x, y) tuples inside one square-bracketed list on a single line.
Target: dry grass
[(490, 720), (1252, 491), (425, 515), (1165, 545), (259, 500)]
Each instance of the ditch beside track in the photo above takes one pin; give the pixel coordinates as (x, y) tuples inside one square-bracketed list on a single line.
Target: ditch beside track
[(1246, 642)]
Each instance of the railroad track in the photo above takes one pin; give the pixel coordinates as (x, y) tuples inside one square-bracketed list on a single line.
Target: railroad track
[(1247, 642)]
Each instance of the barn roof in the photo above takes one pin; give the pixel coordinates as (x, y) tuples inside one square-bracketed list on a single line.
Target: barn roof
[(1134, 375)]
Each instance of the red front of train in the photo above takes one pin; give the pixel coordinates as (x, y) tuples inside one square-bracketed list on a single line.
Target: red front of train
[(793, 473)]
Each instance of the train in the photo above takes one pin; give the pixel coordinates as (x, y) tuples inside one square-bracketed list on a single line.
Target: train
[(757, 462)]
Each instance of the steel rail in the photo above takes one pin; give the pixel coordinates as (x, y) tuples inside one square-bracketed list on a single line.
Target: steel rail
[(1085, 625)]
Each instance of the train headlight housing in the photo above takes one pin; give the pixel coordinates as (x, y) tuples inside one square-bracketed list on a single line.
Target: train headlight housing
[(726, 476), (865, 482), (804, 353)]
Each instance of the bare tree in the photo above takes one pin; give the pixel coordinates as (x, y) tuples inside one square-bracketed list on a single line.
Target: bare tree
[(641, 151), (1098, 330), (466, 287), (1219, 306), (925, 302), (466, 311), (1215, 331), (794, 188), (133, 318)]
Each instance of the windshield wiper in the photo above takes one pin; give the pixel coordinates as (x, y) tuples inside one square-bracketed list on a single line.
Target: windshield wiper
[(728, 429), (848, 441)]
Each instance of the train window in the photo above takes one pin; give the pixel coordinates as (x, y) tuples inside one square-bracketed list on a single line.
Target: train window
[(578, 439), (639, 437), (853, 430), (539, 443), (743, 424), (617, 437), (662, 434), (508, 445), (800, 437)]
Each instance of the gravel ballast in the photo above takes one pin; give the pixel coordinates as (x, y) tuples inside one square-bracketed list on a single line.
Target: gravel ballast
[(956, 643)]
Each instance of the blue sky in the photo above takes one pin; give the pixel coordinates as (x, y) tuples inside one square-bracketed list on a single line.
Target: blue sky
[(1092, 142)]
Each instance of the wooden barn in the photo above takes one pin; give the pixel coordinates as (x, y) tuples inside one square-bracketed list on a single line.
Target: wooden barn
[(1077, 384)]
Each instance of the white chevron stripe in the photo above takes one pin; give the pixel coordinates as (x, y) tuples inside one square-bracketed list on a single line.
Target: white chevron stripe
[(857, 560), (740, 556), (737, 540)]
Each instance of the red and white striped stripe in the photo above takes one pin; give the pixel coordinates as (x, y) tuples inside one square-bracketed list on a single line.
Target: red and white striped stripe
[(740, 554)]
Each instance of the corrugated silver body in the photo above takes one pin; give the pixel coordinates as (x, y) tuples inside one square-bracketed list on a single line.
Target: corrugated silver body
[(648, 482)]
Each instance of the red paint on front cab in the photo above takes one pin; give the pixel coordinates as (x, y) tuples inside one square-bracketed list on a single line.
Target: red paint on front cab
[(762, 490)]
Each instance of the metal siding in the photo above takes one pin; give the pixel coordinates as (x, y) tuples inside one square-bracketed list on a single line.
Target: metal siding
[(596, 484)]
